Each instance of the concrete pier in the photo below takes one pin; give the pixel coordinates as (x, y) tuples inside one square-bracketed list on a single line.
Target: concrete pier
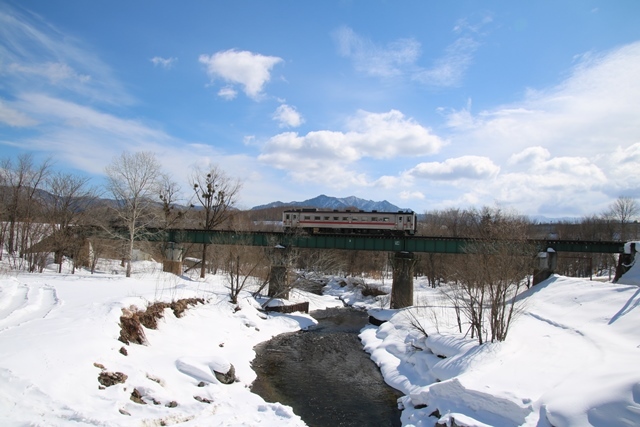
[(546, 265), (278, 282), (278, 273), (173, 259), (402, 290)]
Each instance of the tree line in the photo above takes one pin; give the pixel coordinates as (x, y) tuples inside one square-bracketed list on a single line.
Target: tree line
[(44, 212)]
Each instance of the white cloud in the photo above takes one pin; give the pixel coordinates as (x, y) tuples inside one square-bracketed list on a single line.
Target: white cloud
[(227, 92), (288, 116), (166, 63), (463, 25), (531, 155), (14, 118), (565, 150), (594, 108), (82, 136), (391, 134), (250, 70), (381, 61), (622, 166), (56, 72), (368, 135), (35, 55), (449, 69), (411, 195), (465, 167), (400, 57)]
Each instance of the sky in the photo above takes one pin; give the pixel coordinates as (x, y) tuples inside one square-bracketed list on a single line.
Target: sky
[(530, 106)]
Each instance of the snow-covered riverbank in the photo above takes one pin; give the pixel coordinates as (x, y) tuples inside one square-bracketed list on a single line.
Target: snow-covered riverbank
[(570, 359)]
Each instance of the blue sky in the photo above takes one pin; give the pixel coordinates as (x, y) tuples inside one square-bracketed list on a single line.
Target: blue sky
[(532, 106)]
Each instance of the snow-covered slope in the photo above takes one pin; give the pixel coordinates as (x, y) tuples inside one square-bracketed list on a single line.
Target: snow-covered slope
[(570, 359), (58, 332)]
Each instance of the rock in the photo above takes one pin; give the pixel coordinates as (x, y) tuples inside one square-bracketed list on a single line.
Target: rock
[(172, 404), (136, 396), (226, 378), (450, 423), (123, 412), (202, 384), (123, 351), (202, 399), (108, 379)]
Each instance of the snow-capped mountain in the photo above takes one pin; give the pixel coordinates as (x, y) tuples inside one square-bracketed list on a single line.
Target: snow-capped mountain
[(328, 202)]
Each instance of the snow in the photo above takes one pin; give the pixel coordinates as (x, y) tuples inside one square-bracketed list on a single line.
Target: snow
[(570, 359), (56, 330)]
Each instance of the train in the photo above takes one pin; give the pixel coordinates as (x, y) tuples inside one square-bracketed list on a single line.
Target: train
[(318, 221)]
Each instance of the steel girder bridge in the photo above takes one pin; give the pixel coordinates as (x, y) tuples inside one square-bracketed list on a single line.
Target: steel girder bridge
[(424, 244)]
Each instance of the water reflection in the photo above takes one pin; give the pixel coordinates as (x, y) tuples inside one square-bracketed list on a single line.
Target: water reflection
[(324, 374)]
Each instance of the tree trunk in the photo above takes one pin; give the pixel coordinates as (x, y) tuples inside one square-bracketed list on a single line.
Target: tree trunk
[(129, 256), (203, 262)]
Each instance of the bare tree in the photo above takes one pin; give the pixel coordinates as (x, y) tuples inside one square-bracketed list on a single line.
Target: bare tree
[(133, 182), (23, 180), (216, 194), (623, 210), (489, 278), (68, 200), (169, 196), (244, 266)]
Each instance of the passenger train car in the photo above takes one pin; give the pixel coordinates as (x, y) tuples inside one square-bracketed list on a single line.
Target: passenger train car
[(349, 221)]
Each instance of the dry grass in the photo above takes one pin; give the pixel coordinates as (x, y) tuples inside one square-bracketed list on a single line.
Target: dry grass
[(133, 319), (371, 291)]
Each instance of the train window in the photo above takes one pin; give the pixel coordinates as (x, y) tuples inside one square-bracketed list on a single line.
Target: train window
[(374, 218), (345, 218), (307, 217), (287, 216), (326, 218), (317, 218), (335, 218), (295, 216), (385, 219), (399, 219)]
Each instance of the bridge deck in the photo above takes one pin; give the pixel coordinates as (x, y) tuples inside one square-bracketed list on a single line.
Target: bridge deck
[(424, 244)]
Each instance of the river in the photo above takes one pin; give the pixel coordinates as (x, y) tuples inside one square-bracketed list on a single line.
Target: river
[(324, 374)]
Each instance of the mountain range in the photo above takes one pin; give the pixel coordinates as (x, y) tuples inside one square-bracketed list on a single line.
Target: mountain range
[(328, 202)]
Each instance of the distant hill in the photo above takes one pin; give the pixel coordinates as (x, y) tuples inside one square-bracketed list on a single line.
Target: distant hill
[(328, 202)]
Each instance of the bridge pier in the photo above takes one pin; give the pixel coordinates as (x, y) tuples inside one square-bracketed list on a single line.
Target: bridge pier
[(402, 287), (278, 276), (625, 260), (173, 259), (278, 282), (546, 265)]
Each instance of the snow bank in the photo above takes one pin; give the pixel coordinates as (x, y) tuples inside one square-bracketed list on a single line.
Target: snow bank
[(58, 332), (571, 358)]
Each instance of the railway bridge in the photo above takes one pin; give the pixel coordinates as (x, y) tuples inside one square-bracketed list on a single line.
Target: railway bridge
[(403, 246)]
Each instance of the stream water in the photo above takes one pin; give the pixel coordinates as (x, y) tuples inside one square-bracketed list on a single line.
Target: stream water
[(324, 374)]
